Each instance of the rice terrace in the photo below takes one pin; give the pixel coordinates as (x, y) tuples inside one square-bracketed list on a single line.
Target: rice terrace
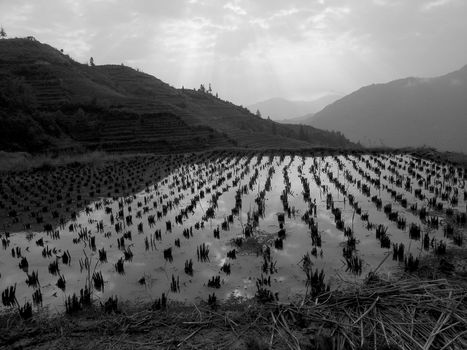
[(238, 175), (209, 226), (222, 224)]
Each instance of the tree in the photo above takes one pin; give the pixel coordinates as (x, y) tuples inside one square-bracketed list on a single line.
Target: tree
[(91, 62), (2, 33), (209, 89), (258, 113), (202, 88)]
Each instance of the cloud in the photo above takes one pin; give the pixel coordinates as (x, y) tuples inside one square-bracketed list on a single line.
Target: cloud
[(431, 5), (387, 3), (328, 17), (291, 49), (235, 9)]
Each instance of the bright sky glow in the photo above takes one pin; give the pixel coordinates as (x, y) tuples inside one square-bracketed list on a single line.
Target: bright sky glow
[(250, 50)]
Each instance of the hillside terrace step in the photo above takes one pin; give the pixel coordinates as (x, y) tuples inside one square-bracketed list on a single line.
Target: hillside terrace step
[(148, 136), (143, 127)]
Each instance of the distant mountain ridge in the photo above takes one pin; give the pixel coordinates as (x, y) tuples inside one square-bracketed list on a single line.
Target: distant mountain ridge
[(281, 109), (404, 112), (49, 102), (298, 120)]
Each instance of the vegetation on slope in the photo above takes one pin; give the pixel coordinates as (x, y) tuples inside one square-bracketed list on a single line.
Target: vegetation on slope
[(50, 102)]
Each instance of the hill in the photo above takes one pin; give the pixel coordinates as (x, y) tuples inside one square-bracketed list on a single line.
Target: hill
[(405, 112), (50, 102), (280, 109)]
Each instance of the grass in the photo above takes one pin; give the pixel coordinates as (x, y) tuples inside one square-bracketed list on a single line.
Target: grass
[(456, 158), (22, 161)]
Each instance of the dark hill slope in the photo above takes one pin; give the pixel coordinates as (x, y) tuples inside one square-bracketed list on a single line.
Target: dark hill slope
[(49, 102), (406, 112)]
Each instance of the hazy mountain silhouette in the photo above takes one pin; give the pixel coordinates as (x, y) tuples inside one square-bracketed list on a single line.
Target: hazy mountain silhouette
[(281, 109), (304, 119), (405, 112), (50, 102)]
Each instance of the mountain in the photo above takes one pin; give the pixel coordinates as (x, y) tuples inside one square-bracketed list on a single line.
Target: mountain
[(298, 120), (405, 112), (49, 102), (281, 109)]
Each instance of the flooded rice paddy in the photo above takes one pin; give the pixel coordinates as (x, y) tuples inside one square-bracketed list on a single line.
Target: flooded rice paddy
[(232, 225)]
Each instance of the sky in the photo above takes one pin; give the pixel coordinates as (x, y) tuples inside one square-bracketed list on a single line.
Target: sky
[(252, 50)]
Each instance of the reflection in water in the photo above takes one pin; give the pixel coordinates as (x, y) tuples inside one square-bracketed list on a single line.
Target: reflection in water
[(147, 274)]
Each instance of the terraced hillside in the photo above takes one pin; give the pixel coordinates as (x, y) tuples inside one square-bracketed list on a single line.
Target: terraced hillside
[(50, 102)]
